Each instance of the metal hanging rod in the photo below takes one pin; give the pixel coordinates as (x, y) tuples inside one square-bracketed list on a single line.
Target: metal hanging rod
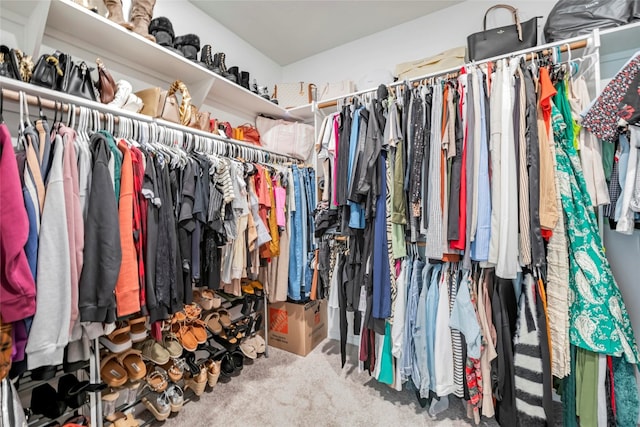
[(54, 100), (546, 49)]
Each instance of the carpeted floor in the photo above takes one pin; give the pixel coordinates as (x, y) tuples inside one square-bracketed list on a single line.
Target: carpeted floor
[(289, 390)]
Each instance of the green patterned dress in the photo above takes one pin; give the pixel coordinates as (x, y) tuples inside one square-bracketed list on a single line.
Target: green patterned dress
[(598, 317)]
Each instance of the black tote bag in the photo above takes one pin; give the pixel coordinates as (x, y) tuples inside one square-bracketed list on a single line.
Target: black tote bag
[(502, 40)]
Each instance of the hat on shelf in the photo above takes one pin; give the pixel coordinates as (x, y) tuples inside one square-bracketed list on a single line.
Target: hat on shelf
[(189, 44), (162, 29)]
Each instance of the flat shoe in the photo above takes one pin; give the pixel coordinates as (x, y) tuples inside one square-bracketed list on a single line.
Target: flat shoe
[(133, 363), (153, 351), (225, 319), (118, 341), (213, 323), (112, 372), (138, 329)]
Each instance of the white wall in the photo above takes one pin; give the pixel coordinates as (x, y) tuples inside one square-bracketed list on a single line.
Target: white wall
[(422, 37), (187, 18)]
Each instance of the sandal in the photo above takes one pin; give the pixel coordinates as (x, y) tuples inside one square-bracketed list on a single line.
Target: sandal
[(153, 351), (160, 407), (172, 344), (204, 300), (118, 340), (225, 319), (213, 323), (109, 404), (132, 362), (198, 330), (216, 300), (186, 337), (157, 380), (176, 397), (248, 349), (176, 370), (119, 419), (192, 311), (111, 371), (138, 326)]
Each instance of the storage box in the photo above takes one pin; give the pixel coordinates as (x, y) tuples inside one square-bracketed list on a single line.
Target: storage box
[(297, 328)]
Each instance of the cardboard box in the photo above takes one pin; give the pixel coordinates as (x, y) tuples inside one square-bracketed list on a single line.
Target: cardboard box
[(297, 328)]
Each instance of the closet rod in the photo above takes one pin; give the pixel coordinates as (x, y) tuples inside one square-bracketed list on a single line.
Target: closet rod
[(11, 90), (546, 49)]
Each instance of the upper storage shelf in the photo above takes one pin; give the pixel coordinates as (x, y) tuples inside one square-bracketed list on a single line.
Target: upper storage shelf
[(67, 26)]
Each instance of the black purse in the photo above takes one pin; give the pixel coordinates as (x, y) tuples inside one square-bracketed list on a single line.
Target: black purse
[(9, 63), (79, 82), (52, 71), (502, 40)]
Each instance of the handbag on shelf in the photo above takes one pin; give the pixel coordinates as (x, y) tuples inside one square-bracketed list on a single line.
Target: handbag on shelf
[(9, 63), (200, 120), (290, 95), (52, 71), (442, 61), (237, 134), (153, 101), (181, 112), (106, 84), (571, 18), (336, 90), (502, 40), (250, 133), (291, 138), (80, 83)]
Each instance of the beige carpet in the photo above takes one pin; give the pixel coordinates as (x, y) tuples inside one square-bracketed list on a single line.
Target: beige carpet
[(288, 390)]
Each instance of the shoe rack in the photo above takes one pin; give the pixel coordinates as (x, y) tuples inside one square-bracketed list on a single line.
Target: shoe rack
[(42, 26)]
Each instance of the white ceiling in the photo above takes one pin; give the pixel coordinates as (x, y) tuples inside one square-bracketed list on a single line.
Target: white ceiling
[(288, 31)]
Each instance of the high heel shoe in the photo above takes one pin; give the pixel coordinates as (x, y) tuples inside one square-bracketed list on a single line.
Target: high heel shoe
[(198, 383), (213, 371), (160, 407), (176, 398)]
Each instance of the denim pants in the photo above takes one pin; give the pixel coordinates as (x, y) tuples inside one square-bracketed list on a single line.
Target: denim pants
[(296, 256), (420, 337), (408, 349)]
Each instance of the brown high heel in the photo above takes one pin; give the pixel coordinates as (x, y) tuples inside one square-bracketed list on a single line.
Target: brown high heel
[(213, 371), (197, 383)]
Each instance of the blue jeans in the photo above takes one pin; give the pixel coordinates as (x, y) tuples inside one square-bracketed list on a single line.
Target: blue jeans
[(413, 296), (420, 337), (296, 257)]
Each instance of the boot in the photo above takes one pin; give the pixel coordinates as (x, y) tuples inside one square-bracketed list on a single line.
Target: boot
[(233, 74), (206, 58), (140, 16), (244, 79), (115, 13)]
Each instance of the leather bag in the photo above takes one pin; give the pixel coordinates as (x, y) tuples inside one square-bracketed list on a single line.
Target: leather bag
[(291, 138), (52, 71), (9, 63), (80, 83), (290, 95), (503, 40), (250, 134), (153, 101), (571, 18), (183, 108), (106, 84), (200, 120)]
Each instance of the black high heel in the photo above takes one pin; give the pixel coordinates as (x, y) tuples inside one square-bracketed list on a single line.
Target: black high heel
[(190, 359)]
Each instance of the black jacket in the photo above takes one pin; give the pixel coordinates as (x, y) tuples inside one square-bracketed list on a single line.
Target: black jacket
[(102, 252)]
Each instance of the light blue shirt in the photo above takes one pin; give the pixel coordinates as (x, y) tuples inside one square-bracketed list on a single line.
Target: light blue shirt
[(464, 320), (356, 218), (480, 245)]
